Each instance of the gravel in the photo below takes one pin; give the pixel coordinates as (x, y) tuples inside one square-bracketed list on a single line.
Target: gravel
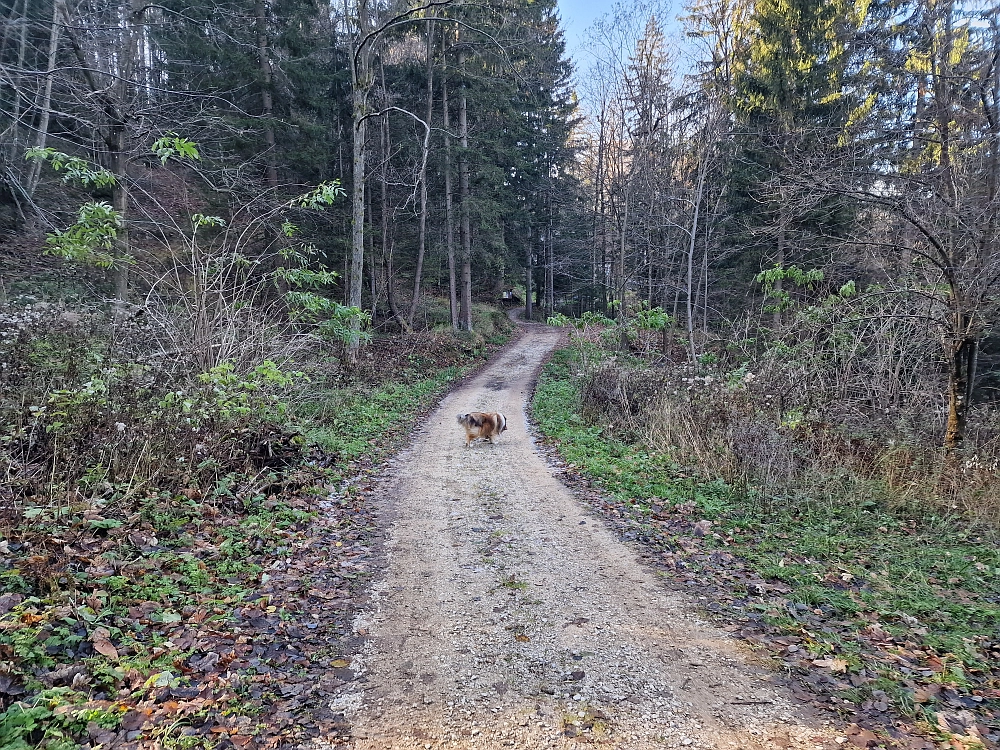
[(508, 617)]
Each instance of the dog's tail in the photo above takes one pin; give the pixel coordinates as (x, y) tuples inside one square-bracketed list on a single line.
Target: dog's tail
[(502, 420)]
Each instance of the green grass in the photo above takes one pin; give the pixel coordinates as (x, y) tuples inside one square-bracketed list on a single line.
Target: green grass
[(355, 422), (931, 583), (625, 471)]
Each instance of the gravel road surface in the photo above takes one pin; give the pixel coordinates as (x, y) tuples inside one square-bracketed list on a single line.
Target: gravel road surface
[(510, 617)]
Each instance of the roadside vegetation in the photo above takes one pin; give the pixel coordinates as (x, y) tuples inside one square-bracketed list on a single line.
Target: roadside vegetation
[(853, 556), (183, 548)]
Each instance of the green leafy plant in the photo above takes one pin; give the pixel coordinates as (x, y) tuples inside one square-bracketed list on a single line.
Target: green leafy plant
[(771, 277), (308, 306), (91, 239), (254, 393), (74, 168), (324, 194), (172, 146), (583, 326)]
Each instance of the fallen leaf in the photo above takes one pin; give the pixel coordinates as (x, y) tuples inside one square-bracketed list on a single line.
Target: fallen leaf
[(340, 663), (862, 737), (101, 639), (522, 638), (834, 665), (926, 693)]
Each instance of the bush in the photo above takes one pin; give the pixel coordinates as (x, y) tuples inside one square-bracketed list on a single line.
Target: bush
[(108, 415)]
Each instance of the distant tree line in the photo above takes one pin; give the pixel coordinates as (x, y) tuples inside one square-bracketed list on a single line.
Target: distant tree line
[(444, 123), (815, 154)]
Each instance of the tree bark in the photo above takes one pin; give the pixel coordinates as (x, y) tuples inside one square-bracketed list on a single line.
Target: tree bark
[(780, 262), (266, 97), (361, 82), (22, 50), (550, 296), (370, 252), (46, 103), (529, 308), (466, 229), (117, 142), (422, 242), (448, 207), (699, 192), (960, 376), (598, 203)]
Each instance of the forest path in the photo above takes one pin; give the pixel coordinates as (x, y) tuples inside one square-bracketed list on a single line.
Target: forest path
[(510, 617)]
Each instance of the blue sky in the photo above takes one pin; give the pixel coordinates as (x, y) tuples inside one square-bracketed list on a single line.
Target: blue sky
[(576, 16)]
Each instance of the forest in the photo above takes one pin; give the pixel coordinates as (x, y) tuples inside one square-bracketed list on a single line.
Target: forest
[(245, 245)]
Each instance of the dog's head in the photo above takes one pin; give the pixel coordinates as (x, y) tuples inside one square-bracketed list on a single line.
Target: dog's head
[(467, 420)]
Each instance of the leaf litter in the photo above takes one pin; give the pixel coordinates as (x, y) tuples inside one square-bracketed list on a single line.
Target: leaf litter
[(203, 618)]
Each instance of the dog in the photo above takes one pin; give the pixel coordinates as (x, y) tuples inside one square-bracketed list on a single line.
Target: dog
[(480, 424)]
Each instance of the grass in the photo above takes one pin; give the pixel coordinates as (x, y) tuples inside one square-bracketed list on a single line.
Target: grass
[(349, 423), (854, 578)]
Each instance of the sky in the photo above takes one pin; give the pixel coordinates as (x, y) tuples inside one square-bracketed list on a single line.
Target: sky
[(576, 16)]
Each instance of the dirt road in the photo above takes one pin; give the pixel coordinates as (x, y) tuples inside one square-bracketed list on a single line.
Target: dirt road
[(510, 617)]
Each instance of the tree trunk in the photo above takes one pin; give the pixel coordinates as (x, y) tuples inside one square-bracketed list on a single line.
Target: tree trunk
[(388, 242), (466, 229), (699, 192), (22, 51), (46, 104), (704, 288), (422, 242), (961, 375), (598, 204), (117, 143), (448, 207), (266, 97), (529, 309), (620, 271), (370, 252), (550, 262), (361, 81), (780, 262)]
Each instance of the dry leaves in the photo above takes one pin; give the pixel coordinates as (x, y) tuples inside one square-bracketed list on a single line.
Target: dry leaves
[(834, 665), (101, 639)]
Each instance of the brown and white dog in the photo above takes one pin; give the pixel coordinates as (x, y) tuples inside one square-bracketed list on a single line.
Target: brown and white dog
[(482, 424)]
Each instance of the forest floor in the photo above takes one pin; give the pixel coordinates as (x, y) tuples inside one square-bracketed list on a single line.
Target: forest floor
[(509, 616)]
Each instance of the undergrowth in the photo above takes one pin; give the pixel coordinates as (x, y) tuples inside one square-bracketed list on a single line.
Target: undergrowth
[(885, 602), (149, 512)]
